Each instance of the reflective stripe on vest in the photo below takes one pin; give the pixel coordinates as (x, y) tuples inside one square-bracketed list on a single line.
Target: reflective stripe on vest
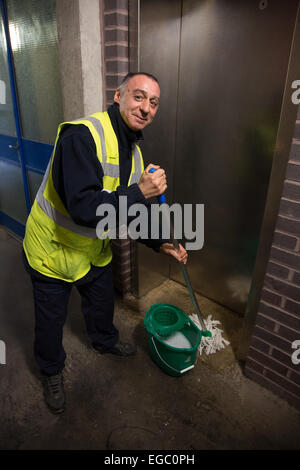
[(109, 169), (56, 216)]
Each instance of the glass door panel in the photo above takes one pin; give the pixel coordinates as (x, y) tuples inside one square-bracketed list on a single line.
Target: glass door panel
[(34, 41), (12, 196), (30, 102)]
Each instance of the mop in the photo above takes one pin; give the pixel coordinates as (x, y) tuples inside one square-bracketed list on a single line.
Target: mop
[(210, 345), (212, 339)]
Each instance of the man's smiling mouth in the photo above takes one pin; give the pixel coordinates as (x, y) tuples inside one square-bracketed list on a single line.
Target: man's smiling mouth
[(140, 118)]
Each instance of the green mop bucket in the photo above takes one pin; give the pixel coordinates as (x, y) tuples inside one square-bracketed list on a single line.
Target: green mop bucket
[(173, 338)]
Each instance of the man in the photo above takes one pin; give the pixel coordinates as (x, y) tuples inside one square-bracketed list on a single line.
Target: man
[(95, 161)]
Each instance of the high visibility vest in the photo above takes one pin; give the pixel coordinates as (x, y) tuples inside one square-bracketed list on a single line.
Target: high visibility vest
[(54, 244)]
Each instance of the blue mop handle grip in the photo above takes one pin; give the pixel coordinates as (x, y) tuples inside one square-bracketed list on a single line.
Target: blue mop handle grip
[(162, 198)]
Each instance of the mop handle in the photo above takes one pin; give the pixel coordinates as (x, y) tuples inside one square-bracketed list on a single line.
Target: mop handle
[(192, 295), (162, 200)]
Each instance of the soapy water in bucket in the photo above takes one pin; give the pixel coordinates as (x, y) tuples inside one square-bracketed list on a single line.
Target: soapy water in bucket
[(176, 340)]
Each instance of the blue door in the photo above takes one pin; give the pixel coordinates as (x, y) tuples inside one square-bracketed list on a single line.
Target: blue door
[(30, 103)]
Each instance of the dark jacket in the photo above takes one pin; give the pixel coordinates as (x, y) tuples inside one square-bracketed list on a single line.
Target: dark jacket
[(77, 177)]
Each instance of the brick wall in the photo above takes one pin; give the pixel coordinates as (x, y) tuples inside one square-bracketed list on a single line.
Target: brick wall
[(116, 37), (278, 319), (116, 66)]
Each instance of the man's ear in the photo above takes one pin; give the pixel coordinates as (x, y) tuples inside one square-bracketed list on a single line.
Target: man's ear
[(117, 96)]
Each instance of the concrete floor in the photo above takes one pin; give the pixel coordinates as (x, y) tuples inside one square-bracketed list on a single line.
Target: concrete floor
[(129, 403)]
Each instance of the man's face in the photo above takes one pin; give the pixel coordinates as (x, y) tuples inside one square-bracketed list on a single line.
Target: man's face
[(139, 102)]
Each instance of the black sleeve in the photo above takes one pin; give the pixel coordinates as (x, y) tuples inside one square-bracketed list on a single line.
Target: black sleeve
[(153, 243)]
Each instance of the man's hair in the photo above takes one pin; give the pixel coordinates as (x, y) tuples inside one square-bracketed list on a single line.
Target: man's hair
[(133, 74)]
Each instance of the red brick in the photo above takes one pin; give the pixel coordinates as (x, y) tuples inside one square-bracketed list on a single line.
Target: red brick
[(284, 241), (115, 35), (297, 130), (121, 255), (293, 307), (112, 4), (119, 250), (288, 333), (117, 247), (283, 288), (295, 151), (270, 297), (293, 172), (291, 190), (113, 81), (285, 257), (126, 272), (124, 261), (116, 66), (283, 382), (289, 208), (295, 377), (265, 322), (296, 278), (291, 226), (268, 361), (286, 359), (109, 95), (252, 364), (121, 242), (115, 19), (277, 270), (115, 51), (272, 339), (279, 315), (260, 345)]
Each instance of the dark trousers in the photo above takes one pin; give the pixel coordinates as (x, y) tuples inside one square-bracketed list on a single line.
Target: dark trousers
[(51, 305)]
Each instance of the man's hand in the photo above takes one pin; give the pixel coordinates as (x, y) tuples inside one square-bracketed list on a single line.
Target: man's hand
[(153, 184), (181, 255)]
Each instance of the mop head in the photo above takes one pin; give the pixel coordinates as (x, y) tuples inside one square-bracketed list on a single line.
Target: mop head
[(215, 342)]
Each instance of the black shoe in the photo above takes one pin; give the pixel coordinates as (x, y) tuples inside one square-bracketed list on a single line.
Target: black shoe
[(119, 349), (54, 393)]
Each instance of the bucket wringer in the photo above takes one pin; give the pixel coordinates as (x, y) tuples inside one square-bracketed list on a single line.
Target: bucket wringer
[(173, 338)]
